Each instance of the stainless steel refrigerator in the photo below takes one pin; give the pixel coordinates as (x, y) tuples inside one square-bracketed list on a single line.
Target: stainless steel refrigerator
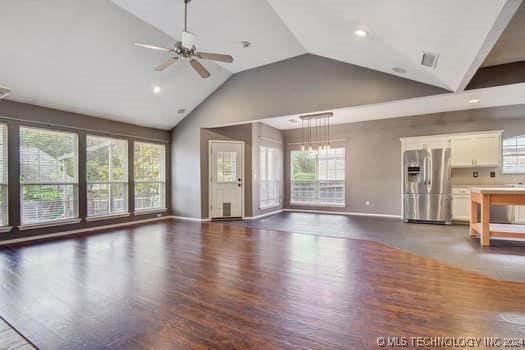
[(427, 187)]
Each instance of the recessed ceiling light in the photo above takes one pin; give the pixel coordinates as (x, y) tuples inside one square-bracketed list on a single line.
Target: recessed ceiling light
[(180, 111), (399, 70), (361, 33), (245, 44), (473, 101), (156, 89)]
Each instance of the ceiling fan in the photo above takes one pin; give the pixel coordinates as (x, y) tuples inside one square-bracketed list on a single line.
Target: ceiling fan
[(185, 50)]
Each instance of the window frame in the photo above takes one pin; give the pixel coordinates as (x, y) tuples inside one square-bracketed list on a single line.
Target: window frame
[(162, 183), (126, 183), (277, 171), (516, 170), (317, 202), (76, 184), (4, 128)]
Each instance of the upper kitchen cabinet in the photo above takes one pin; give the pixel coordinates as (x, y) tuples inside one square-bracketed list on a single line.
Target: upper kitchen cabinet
[(476, 150), (425, 142)]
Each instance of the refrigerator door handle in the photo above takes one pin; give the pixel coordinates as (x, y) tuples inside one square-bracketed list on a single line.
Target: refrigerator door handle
[(428, 173)]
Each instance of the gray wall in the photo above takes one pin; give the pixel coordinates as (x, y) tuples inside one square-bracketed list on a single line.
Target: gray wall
[(235, 133), (301, 84), (373, 153), (27, 112), (18, 114), (264, 135)]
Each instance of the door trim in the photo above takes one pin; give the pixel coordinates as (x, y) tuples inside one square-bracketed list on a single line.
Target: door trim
[(210, 167)]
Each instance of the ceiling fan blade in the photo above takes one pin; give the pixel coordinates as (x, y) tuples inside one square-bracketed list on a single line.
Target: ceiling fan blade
[(215, 57), (166, 64), (200, 68), (154, 47)]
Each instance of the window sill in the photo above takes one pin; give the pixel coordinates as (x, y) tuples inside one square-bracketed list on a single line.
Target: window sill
[(273, 206), (5, 229), (107, 217), (150, 211), (49, 224), (306, 204)]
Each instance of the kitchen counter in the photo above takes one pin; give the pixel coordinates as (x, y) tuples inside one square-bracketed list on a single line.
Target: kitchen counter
[(498, 190), (487, 196)]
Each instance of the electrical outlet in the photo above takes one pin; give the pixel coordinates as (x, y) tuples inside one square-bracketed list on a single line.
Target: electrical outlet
[(159, 215), (492, 174), (475, 174)]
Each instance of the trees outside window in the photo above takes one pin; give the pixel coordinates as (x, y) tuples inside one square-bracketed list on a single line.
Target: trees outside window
[(107, 175), (318, 178), (150, 176), (48, 175)]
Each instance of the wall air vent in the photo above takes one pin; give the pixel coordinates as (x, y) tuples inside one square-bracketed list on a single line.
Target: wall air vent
[(429, 59), (4, 91)]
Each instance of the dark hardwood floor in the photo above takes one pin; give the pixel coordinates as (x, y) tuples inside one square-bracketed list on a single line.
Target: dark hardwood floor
[(175, 284)]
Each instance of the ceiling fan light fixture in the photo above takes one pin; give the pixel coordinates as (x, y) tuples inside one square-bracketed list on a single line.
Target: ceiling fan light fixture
[(188, 40), (186, 50)]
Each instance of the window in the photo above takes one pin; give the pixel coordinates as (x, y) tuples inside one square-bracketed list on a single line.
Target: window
[(226, 167), (269, 178), (3, 176), (318, 178), (48, 175), (514, 155), (107, 176), (149, 176)]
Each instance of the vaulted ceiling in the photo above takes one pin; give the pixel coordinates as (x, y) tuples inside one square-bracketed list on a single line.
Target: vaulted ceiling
[(78, 55)]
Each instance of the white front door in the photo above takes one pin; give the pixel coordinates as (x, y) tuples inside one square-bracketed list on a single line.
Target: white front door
[(226, 179)]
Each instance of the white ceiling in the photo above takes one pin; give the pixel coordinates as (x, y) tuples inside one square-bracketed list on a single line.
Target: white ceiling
[(77, 55), (488, 97), (399, 31)]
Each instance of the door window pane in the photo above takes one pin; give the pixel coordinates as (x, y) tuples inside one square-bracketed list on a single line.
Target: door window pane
[(226, 167)]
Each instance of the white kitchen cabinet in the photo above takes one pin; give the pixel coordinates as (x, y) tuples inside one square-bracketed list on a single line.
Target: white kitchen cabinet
[(488, 150), (476, 150), (462, 152), (425, 142), (519, 215), (461, 203)]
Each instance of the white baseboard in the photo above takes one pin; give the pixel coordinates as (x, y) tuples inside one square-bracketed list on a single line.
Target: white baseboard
[(81, 230), (391, 216), (264, 215), (185, 218)]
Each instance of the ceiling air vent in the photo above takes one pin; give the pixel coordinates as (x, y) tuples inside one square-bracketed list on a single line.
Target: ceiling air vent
[(429, 59), (4, 91)]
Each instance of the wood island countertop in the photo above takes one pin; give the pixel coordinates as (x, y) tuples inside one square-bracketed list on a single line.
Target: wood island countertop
[(498, 190), (484, 197)]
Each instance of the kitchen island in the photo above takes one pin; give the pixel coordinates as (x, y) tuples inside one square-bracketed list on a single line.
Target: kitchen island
[(487, 196)]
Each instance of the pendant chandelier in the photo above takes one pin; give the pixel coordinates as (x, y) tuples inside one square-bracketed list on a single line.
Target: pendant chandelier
[(315, 131)]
